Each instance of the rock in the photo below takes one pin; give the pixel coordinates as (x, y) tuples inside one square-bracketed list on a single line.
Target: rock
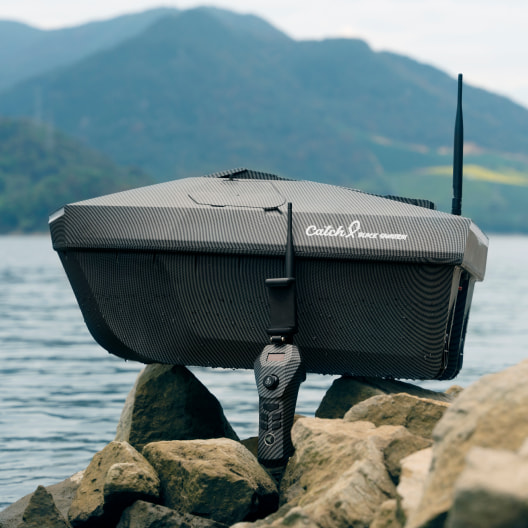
[(343, 394), (41, 512), (414, 470), (293, 517), (454, 391), (489, 413), (387, 516), (337, 476), (62, 494), (147, 515), (116, 477), (403, 445), (131, 478), (217, 479), (523, 451), (491, 492), (348, 391), (251, 444), (170, 403), (418, 415)]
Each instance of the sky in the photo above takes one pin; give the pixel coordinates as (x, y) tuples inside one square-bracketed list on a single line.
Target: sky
[(486, 40)]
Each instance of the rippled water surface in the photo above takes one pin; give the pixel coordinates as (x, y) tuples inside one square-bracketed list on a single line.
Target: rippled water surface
[(61, 394)]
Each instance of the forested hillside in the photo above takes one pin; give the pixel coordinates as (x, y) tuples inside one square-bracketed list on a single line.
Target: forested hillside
[(41, 170)]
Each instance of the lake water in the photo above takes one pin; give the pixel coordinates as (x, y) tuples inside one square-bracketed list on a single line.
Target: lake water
[(61, 394)]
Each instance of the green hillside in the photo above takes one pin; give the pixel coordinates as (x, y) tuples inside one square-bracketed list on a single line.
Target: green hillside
[(204, 90), (41, 170)]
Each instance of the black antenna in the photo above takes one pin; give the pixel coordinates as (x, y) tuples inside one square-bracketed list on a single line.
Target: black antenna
[(289, 263), (458, 154)]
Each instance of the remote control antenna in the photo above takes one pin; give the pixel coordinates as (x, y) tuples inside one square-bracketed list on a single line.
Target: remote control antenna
[(279, 369), (283, 295), (458, 154)]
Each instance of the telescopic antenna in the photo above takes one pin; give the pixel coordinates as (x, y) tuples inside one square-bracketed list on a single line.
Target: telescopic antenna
[(458, 154)]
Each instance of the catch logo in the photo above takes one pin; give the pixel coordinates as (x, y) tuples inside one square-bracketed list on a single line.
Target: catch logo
[(352, 231)]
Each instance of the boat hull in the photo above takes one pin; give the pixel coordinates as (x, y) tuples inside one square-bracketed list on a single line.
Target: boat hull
[(358, 318), (175, 273)]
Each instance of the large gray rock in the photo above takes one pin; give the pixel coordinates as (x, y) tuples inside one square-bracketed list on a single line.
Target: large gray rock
[(337, 476), (418, 415), (217, 479), (348, 391), (147, 515), (490, 413), (62, 494), (116, 477), (491, 492), (170, 403), (41, 512)]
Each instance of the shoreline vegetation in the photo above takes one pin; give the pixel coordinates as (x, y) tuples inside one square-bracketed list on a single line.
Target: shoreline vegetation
[(378, 454)]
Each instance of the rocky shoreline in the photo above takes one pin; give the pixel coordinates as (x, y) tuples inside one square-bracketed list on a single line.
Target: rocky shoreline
[(378, 454)]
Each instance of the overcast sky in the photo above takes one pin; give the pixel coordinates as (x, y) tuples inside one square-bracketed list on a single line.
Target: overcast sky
[(486, 40)]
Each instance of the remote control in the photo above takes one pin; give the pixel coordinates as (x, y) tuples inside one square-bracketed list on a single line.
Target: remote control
[(279, 372)]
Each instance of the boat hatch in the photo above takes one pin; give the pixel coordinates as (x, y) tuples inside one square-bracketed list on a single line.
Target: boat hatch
[(260, 194)]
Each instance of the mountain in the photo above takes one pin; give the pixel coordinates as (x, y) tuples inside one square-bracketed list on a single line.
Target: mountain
[(202, 90), (41, 170), (26, 51)]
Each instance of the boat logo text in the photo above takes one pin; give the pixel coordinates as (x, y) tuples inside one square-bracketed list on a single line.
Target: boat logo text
[(352, 231)]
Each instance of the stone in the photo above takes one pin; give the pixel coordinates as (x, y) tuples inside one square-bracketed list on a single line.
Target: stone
[(217, 478), (454, 390), (523, 451), (116, 477), (251, 444), (131, 478), (403, 445), (418, 415), (348, 391), (343, 394), (387, 516), (337, 476), (147, 515), (62, 494), (491, 492), (293, 517), (170, 403), (489, 413), (414, 471), (41, 512)]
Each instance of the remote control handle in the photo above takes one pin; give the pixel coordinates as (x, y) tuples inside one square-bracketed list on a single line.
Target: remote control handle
[(279, 372)]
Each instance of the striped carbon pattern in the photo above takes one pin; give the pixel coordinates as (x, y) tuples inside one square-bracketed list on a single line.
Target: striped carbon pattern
[(290, 374), (360, 318), (164, 217)]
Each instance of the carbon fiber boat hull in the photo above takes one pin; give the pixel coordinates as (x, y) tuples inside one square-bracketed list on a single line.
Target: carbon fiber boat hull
[(175, 273)]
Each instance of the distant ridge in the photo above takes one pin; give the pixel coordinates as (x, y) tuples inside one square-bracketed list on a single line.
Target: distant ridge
[(29, 51)]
